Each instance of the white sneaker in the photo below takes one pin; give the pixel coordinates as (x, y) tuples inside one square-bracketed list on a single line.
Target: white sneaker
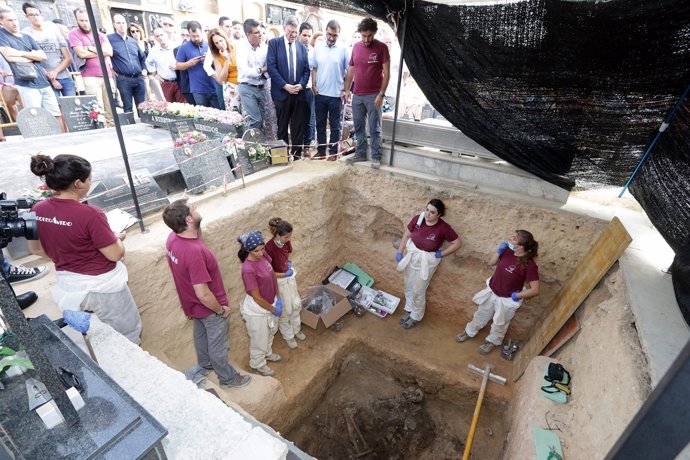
[(292, 344), (300, 336), (274, 358), (265, 371)]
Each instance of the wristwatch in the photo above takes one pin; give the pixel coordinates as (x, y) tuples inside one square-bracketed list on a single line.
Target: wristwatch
[(222, 311)]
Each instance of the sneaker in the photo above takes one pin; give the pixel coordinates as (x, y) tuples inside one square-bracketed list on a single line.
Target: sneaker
[(461, 337), (292, 344), (265, 371), (355, 159), (238, 382), (274, 358), (20, 273), (486, 348), (404, 318), (375, 164), (300, 336), (410, 323)]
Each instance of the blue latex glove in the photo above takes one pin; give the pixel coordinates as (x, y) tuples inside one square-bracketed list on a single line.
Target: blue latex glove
[(289, 264), (438, 254), (279, 307), (398, 256), (289, 273), (515, 297), (77, 320), (503, 246)]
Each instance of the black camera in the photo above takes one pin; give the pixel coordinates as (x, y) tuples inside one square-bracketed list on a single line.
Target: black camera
[(14, 223)]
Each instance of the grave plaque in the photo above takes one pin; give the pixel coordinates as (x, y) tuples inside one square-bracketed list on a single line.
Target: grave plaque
[(37, 122), (114, 193), (179, 127), (239, 157), (75, 112), (203, 165)]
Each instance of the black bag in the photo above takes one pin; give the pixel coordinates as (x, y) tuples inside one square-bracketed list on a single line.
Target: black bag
[(556, 372), (25, 71)]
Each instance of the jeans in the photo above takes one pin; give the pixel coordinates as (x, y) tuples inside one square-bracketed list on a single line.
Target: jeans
[(327, 108), (365, 112), (68, 88), (131, 87), (206, 99), (211, 344), (5, 267), (253, 100), (310, 130), (219, 95)]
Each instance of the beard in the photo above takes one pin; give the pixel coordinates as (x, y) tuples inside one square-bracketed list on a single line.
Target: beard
[(86, 31)]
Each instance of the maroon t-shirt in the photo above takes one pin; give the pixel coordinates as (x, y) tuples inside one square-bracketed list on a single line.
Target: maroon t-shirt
[(192, 262), (72, 233), (509, 276), (279, 256), (368, 66), (430, 238), (259, 275)]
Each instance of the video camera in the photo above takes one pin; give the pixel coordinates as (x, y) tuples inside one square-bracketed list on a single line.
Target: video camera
[(14, 223)]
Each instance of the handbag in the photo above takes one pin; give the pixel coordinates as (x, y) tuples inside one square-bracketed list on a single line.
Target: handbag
[(25, 71)]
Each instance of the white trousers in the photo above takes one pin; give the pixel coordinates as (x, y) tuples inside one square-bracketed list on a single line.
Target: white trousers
[(261, 329), (419, 267), (491, 306), (289, 322)]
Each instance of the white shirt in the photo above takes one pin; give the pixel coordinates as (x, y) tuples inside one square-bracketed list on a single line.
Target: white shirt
[(208, 64), (294, 56), (159, 61), (250, 61)]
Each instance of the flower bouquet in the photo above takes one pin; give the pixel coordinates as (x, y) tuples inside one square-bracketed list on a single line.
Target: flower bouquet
[(189, 138), (95, 111), (38, 193)]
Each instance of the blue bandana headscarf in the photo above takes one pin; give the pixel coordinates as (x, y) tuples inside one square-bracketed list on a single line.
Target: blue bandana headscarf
[(251, 240)]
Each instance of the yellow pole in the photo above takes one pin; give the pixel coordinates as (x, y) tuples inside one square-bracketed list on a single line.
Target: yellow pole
[(475, 418)]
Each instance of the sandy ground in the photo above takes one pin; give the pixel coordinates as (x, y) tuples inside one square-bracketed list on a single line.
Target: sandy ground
[(353, 214)]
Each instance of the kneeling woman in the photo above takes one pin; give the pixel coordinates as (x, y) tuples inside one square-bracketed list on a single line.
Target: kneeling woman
[(86, 252), (515, 279), (261, 307), (423, 238)]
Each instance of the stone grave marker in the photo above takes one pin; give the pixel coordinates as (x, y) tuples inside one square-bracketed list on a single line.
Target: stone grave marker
[(179, 127), (76, 114), (203, 165), (239, 157), (37, 122), (114, 192)]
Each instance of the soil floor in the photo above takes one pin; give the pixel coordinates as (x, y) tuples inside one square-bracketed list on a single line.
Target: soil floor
[(353, 214)]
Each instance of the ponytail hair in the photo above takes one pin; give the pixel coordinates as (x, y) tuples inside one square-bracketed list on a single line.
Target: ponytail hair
[(279, 227), (526, 240)]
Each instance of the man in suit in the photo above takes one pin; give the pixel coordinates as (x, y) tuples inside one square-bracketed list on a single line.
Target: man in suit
[(288, 66)]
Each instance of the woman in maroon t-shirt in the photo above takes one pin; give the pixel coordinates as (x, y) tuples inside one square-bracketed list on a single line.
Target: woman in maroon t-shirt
[(423, 238), (280, 249), (86, 252), (515, 279), (261, 306)]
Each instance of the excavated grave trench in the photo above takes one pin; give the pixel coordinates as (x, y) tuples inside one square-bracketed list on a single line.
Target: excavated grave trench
[(408, 393)]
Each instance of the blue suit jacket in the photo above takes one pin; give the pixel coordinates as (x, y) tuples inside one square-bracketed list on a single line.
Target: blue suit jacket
[(276, 61)]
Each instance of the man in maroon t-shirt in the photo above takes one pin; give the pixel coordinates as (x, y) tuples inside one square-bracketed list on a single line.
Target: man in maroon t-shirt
[(370, 68), (201, 291)]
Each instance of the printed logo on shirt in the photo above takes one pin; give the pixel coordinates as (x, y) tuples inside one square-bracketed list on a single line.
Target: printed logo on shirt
[(172, 258), (373, 58), (511, 268), (431, 237), (48, 220)]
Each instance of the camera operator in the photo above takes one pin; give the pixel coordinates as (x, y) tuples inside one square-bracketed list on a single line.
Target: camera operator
[(86, 252)]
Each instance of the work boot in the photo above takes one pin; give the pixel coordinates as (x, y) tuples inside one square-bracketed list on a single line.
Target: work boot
[(486, 348), (300, 336), (238, 381), (265, 371), (274, 358), (376, 164), (27, 299), (404, 318), (461, 337), (292, 344)]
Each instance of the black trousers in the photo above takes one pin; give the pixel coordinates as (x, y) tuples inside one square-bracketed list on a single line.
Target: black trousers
[(292, 113)]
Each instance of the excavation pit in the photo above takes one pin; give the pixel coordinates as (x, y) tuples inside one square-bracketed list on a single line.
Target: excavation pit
[(383, 408)]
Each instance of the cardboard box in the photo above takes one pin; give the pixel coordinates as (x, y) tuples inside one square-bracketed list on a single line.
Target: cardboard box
[(337, 311)]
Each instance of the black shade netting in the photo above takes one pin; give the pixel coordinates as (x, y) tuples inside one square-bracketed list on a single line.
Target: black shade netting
[(572, 91)]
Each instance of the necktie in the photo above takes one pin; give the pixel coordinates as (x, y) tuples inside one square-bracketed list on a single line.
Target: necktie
[(291, 64)]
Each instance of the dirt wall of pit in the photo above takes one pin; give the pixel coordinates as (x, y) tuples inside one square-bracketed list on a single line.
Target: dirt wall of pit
[(346, 214)]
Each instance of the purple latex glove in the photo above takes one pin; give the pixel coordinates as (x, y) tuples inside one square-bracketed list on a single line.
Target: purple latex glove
[(438, 254), (502, 247), (515, 297), (77, 320), (398, 256), (279, 307)]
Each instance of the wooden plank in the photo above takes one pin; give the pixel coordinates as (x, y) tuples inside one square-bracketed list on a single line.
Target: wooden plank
[(566, 333), (591, 269)]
